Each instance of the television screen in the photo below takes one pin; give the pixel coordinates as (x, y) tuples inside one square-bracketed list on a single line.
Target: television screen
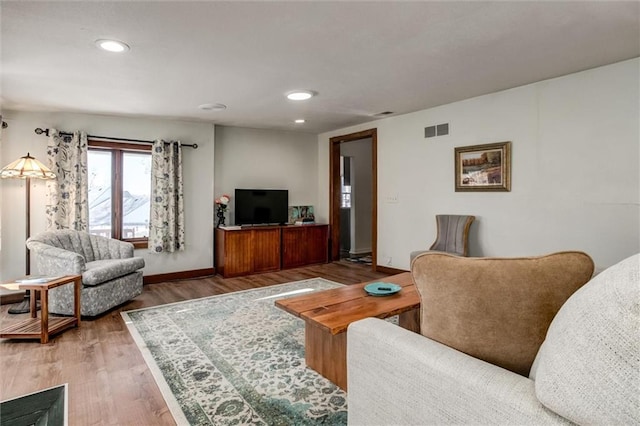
[(261, 206)]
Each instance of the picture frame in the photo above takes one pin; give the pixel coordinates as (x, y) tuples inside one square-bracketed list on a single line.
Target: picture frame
[(483, 167), (300, 213)]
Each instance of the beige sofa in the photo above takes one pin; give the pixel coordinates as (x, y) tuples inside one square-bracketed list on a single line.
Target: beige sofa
[(587, 371)]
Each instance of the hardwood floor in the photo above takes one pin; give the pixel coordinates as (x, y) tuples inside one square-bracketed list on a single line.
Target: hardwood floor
[(109, 382)]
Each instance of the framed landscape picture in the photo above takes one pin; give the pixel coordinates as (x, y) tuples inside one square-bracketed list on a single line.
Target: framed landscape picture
[(483, 167)]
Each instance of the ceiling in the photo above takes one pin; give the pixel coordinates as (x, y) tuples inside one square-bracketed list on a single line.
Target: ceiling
[(362, 58)]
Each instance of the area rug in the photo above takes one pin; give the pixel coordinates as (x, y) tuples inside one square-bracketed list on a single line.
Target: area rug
[(236, 359)]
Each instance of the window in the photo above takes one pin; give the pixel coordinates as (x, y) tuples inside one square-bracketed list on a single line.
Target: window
[(346, 197), (345, 182), (119, 191)]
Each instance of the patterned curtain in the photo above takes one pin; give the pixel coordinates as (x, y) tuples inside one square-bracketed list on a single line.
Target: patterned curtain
[(68, 194), (166, 227)]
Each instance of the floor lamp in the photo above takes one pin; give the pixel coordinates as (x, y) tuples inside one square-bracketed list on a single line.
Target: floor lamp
[(26, 168)]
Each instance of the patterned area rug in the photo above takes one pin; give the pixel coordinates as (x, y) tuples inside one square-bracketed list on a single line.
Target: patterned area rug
[(236, 359)]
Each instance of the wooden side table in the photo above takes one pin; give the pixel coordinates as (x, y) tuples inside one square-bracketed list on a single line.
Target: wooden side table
[(43, 328)]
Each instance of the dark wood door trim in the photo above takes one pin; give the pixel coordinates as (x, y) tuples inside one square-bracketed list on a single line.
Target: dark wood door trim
[(334, 190)]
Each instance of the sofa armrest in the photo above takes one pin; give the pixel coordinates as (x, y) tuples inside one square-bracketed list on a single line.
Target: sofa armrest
[(403, 378), (52, 260)]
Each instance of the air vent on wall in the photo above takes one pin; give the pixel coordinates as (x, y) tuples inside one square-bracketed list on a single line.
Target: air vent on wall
[(442, 129), (437, 130), (430, 131)]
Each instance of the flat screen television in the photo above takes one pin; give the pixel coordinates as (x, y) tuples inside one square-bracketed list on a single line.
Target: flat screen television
[(261, 206)]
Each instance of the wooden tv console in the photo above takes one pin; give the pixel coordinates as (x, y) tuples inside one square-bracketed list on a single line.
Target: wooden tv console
[(256, 249)]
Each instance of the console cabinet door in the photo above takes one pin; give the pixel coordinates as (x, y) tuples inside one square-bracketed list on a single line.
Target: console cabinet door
[(294, 250), (304, 245), (266, 250), (234, 253), (318, 244)]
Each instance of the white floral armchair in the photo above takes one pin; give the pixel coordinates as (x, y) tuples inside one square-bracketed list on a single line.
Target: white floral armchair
[(111, 275)]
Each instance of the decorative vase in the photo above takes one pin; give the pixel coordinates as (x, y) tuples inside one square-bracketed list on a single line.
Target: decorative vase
[(220, 214)]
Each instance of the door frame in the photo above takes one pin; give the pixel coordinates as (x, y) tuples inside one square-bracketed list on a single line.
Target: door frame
[(335, 191)]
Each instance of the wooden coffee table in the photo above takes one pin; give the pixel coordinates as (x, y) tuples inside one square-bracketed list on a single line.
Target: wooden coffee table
[(328, 313)]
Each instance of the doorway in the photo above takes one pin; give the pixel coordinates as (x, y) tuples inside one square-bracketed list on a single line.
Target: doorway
[(337, 196)]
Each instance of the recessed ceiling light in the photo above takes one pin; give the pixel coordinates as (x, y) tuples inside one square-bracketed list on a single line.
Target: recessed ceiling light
[(112, 45), (300, 121), (212, 107), (300, 95)]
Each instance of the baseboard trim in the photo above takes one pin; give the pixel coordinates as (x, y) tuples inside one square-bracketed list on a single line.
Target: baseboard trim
[(182, 275), (388, 270)]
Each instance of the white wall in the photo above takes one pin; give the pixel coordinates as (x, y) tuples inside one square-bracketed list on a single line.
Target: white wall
[(266, 159), (575, 170), (361, 194), (19, 138)]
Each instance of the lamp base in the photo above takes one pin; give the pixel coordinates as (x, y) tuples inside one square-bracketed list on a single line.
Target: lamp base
[(23, 307)]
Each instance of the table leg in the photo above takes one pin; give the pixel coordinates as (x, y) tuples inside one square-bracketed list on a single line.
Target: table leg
[(77, 286), (44, 314), (33, 304), (327, 354)]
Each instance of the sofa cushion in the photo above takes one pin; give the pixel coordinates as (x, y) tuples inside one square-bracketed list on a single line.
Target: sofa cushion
[(100, 271), (588, 368), (496, 309)]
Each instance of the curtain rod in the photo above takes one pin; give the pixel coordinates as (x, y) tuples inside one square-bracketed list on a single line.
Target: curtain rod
[(40, 131)]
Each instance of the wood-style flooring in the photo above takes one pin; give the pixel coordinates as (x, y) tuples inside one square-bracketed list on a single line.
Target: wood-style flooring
[(109, 382)]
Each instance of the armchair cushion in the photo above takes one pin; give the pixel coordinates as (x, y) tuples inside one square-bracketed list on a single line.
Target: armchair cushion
[(453, 234), (100, 271), (588, 368), (496, 309)]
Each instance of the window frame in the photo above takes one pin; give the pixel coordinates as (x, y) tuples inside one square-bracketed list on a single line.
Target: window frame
[(117, 150)]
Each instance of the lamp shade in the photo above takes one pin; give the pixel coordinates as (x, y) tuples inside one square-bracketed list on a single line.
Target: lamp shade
[(26, 167)]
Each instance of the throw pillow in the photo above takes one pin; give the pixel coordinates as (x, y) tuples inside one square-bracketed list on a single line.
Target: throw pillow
[(496, 309), (588, 368)]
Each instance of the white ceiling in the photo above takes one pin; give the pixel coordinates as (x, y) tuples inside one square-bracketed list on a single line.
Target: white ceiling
[(362, 58)]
